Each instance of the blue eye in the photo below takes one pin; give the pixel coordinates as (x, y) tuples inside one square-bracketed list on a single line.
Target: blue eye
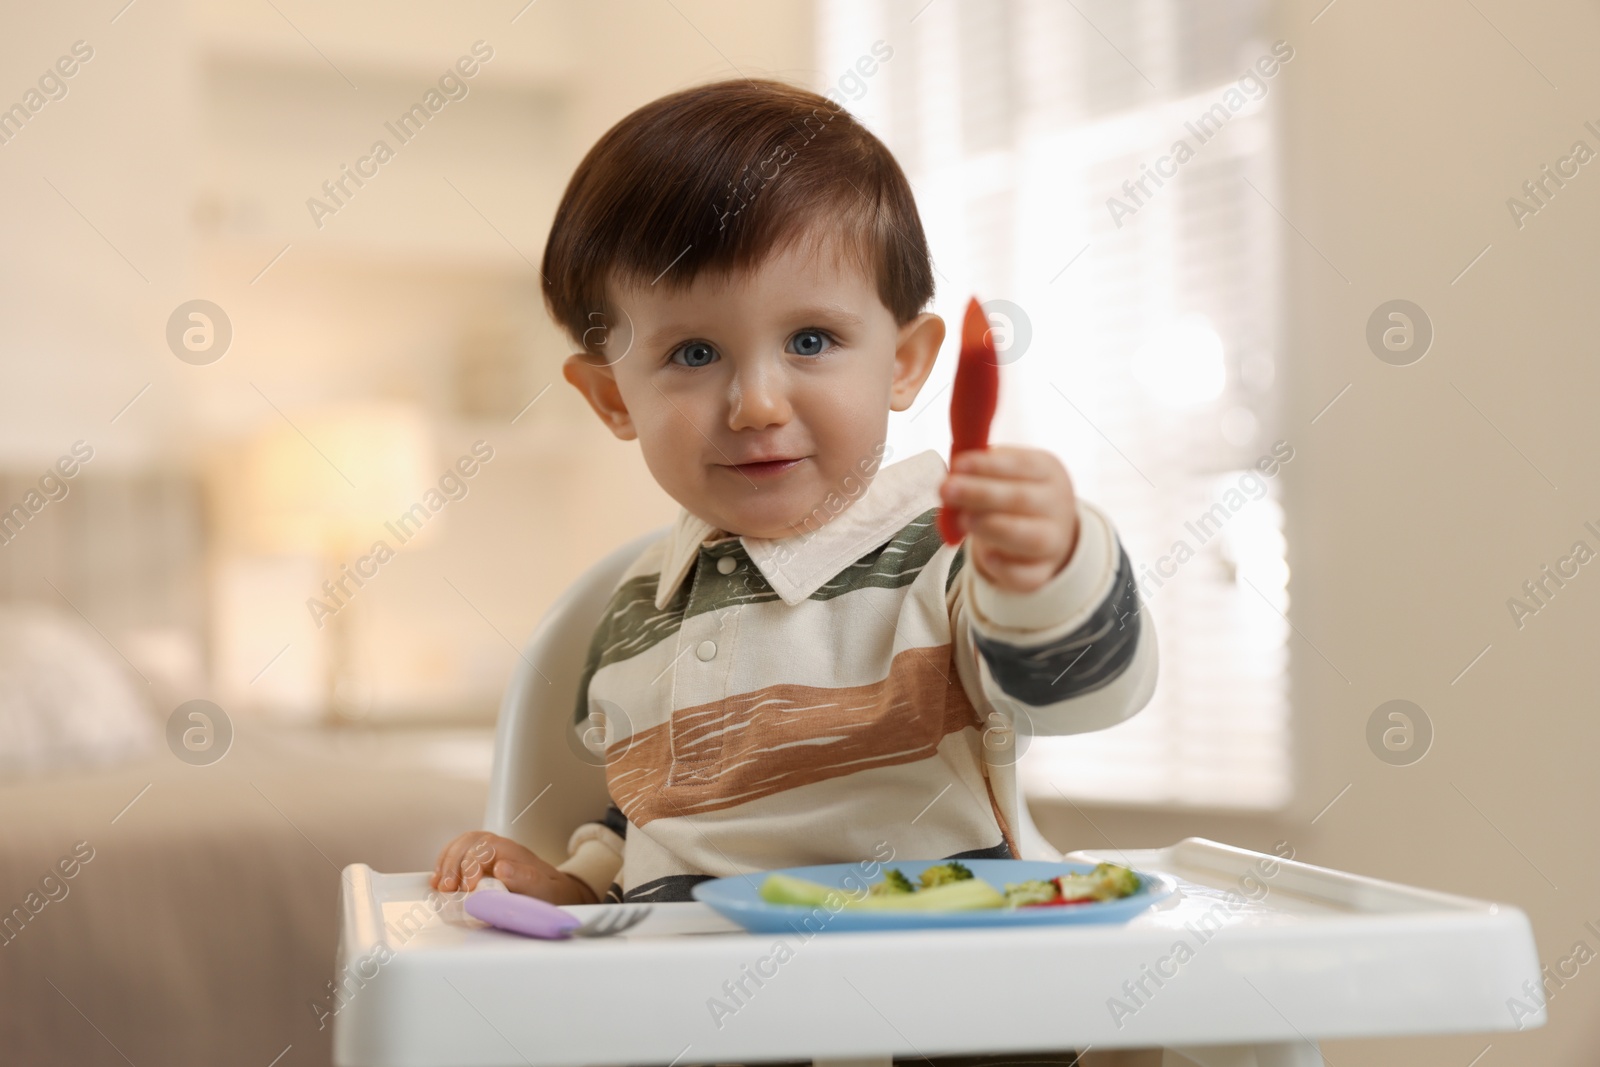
[(695, 354), (809, 342)]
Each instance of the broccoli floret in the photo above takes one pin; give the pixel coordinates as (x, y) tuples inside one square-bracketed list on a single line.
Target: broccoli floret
[(1114, 881), (1036, 891), (948, 871), (893, 882)]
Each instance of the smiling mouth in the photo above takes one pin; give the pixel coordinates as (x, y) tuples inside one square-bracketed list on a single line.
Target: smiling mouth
[(767, 468)]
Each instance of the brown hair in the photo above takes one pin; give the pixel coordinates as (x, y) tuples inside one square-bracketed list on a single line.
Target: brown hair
[(716, 178)]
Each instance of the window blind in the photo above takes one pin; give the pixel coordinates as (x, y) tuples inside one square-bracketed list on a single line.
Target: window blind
[(1150, 356)]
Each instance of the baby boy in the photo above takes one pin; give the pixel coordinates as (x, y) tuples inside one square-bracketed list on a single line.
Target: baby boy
[(801, 671)]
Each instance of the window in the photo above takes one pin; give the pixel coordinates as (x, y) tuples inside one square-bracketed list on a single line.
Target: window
[(1042, 138)]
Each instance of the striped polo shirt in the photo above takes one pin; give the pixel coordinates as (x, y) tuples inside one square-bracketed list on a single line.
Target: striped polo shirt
[(774, 702)]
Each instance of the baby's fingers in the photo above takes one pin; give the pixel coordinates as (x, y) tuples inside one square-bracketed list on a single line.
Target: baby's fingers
[(439, 865), (1024, 538), (1010, 573), (450, 865), (977, 493), (479, 857)]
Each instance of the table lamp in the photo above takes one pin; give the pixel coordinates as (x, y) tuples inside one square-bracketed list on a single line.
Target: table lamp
[(332, 483)]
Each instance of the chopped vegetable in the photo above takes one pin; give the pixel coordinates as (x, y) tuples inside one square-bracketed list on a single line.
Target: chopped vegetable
[(968, 894), (951, 886), (1036, 891), (949, 871), (1107, 881), (893, 882), (787, 889), (1076, 886), (1116, 881), (1060, 902)]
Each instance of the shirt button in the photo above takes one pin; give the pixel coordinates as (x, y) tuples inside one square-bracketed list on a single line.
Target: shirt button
[(727, 565), (706, 649)]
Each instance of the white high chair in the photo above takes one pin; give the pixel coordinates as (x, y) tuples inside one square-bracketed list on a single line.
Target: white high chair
[(540, 788), (1338, 954)]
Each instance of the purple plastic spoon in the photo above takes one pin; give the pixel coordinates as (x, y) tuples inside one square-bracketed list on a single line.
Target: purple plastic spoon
[(521, 914)]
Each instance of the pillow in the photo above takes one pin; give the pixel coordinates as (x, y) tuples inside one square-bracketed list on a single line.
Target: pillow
[(67, 699)]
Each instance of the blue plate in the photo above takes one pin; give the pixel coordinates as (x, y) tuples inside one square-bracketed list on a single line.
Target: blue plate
[(739, 898)]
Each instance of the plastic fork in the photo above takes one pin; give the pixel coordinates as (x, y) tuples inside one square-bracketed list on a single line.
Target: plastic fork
[(532, 917), (613, 921)]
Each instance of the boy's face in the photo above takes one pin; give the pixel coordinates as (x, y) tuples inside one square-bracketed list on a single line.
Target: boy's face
[(754, 397)]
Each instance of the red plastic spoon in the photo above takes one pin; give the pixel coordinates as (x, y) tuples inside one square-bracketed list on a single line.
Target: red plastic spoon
[(972, 400)]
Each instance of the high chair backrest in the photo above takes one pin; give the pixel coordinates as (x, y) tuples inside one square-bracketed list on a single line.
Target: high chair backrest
[(539, 758), (544, 782)]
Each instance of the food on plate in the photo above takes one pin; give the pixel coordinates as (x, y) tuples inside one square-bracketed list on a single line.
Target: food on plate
[(895, 893), (967, 894), (1034, 891), (1108, 881), (787, 889), (951, 886), (942, 873), (893, 882)]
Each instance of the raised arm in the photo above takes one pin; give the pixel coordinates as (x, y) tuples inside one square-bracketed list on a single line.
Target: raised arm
[(1077, 652)]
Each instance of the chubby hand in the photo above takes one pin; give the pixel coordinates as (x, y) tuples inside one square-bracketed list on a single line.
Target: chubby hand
[(478, 854), (1019, 512)]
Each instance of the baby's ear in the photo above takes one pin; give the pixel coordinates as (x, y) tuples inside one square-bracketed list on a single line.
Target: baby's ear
[(598, 384), (916, 347)]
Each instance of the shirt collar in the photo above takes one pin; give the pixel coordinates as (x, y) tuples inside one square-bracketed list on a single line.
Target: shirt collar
[(798, 565)]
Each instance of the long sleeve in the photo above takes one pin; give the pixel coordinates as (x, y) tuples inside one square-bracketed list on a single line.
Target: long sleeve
[(1078, 653), (594, 851)]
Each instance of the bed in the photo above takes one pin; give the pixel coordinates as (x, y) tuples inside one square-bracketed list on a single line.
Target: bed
[(154, 910), (202, 929)]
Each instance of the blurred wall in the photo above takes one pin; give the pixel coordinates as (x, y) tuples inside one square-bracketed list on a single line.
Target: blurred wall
[(179, 165), (1419, 503), (1427, 494)]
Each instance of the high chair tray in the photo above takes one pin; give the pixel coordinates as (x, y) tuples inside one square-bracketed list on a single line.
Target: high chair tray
[(1254, 951)]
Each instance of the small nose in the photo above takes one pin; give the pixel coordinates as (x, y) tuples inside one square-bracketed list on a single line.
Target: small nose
[(759, 396)]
